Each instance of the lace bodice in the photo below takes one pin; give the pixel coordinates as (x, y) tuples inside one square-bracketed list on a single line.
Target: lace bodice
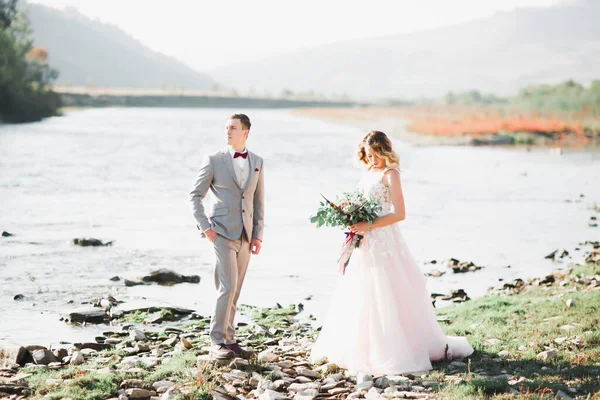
[(372, 186)]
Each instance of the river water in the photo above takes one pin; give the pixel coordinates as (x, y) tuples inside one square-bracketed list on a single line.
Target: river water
[(124, 175)]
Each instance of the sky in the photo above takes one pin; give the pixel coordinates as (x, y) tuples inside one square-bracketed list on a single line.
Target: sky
[(208, 34)]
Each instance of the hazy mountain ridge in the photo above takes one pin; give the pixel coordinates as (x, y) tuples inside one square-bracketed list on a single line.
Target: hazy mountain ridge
[(499, 54), (91, 53)]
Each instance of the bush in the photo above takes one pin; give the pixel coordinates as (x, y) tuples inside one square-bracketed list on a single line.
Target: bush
[(25, 81)]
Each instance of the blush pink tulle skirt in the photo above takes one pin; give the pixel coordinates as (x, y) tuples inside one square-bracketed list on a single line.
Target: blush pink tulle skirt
[(381, 320)]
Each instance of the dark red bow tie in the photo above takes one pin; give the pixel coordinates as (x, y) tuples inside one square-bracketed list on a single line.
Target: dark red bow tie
[(243, 155)]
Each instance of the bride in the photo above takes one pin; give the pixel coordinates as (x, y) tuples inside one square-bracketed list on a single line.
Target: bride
[(381, 320)]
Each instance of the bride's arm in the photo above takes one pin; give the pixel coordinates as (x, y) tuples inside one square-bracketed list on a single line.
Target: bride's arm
[(392, 180)]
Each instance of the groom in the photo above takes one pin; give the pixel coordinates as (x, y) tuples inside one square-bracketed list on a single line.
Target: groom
[(234, 225)]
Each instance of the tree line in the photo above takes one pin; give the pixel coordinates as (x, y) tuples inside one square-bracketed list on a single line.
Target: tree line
[(25, 77), (565, 97)]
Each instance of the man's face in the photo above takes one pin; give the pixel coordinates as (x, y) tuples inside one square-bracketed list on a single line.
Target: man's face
[(236, 133)]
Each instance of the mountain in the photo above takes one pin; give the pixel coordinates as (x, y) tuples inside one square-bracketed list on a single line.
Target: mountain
[(91, 53), (497, 54)]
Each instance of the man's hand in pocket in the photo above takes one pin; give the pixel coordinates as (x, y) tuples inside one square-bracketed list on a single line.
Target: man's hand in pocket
[(210, 234)]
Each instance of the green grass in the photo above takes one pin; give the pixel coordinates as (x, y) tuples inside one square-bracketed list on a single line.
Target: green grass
[(174, 369), (83, 384), (280, 317), (137, 317), (527, 324)]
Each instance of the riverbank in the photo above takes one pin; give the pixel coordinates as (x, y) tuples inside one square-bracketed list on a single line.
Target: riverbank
[(74, 97), (533, 339), (467, 125)]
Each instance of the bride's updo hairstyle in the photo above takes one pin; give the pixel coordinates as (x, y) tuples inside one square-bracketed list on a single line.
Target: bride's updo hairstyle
[(382, 146)]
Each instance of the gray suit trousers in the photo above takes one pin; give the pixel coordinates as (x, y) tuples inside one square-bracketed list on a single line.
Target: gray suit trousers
[(233, 257)]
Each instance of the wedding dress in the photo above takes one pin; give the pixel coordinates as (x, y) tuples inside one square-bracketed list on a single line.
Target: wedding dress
[(380, 319)]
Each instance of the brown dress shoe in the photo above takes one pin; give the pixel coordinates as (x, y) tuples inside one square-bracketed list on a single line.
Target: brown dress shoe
[(238, 351), (221, 352)]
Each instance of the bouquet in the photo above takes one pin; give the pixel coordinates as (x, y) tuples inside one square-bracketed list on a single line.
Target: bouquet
[(350, 208)]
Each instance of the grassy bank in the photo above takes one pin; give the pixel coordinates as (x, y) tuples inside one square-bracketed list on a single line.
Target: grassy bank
[(157, 98), (533, 340), (533, 344)]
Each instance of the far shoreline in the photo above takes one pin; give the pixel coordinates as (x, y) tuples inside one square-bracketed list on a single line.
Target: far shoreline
[(469, 126)]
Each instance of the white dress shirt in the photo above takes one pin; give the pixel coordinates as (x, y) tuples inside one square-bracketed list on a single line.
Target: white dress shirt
[(240, 166)]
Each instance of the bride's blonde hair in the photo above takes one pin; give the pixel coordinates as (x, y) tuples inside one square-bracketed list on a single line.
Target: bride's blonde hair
[(382, 146)]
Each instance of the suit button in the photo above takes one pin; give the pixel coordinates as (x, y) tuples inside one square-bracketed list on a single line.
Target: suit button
[(243, 211), (243, 197)]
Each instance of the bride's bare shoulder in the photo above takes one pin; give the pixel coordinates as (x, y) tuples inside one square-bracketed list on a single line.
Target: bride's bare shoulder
[(391, 174)]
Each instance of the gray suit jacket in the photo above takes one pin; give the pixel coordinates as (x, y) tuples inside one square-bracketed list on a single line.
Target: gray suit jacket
[(236, 208)]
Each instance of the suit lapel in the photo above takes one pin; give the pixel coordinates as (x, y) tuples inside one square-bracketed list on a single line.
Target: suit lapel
[(228, 161), (251, 164)]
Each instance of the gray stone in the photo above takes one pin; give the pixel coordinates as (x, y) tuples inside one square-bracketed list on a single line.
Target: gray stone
[(77, 358), (372, 395), (90, 242), (186, 344), (338, 391), (133, 383), (458, 364), (141, 348), (382, 382), (43, 357), (301, 387), (90, 315), (272, 395), (60, 353), (335, 377), (235, 374), (309, 394), (364, 385), (309, 373), (547, 355), (130, 283), (167, 277), (390, 390), (562, 395), (157, 352), (169, 394), (491, 341), (360, 377), (133, 360), (330, 386), (137, 335), (136, 393), (570, 303), (280, 385), (11, 355), (303, 379), (170, 342), (398, 379), (88, 352), (149, 362), (268, 357), (162, 384)]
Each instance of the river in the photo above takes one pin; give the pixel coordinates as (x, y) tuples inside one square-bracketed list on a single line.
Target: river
[(123, 175)]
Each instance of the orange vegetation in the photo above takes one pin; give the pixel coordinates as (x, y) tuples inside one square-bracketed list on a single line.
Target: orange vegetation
[(38, 54), (454, 120)]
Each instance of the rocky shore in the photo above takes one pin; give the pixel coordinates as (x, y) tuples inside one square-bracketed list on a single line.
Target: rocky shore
[(533, 339), (536, 338)]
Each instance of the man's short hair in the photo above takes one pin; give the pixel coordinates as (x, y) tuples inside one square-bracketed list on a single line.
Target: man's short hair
[(245, 121)]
